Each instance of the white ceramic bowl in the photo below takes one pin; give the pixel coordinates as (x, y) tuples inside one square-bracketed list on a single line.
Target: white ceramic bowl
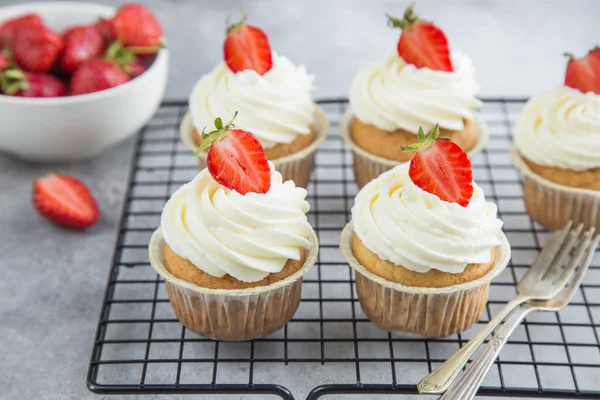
[(77, 127)]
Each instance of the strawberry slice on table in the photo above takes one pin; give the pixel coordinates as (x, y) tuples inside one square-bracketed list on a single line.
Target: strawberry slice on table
[(97, 75), (236, 159), (8, 28), (247, 47), (584, 73), (82, 43), (421, 43), (65, 200), (135, 26), (441, 168), (36, 47)]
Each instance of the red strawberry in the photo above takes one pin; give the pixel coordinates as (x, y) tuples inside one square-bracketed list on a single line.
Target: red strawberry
[(441, 168), (82, 43), (65, 200), (421, 43), (36, 47), (105, 27), (247, 47), (236, 159), (135, 25), (41, 85), (97, 75), (584, 73), (8, 28)]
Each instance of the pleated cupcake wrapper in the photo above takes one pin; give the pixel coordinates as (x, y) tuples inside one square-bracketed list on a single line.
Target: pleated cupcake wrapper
[(368, 166), (428, 312), (232, 315), (297, 166), (552, 205)]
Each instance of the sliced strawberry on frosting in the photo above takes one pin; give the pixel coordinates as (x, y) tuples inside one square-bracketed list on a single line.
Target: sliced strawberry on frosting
[(441, 168), (247, 47), (583, 74), (421, 43), (236, 159)]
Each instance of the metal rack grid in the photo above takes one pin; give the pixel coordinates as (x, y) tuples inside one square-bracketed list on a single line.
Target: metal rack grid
[(329, 347)]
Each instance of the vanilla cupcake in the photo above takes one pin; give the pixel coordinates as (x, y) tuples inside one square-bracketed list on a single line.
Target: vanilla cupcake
[(423, 264), (391, 98), (274, 98), (233, 248), (557, 147)]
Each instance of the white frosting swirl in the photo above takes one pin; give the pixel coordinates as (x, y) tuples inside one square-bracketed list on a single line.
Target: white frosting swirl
[(561, 128), (276, 107), (407, 226), (393, 95), (246, 236)]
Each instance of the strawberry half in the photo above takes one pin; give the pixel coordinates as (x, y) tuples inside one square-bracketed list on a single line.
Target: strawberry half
[(584, 73), (65, 200), (236, 159), (441, 168), (421, 43), (247, 47)]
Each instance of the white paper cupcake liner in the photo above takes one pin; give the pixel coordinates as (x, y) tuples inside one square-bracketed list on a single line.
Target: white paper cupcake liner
[(297, 166), (232, 315), (368, 166), (551, 204), (428, 312)]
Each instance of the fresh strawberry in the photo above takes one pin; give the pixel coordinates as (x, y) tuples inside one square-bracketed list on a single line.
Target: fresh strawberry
[(584, 73), (105, 27), (135, 25), (41, 85), (247, 47), (8, 28), (236, 159), (65, 200), (96, 75), (82, 43), (441, 168), (36, 48), (135, 68), (421, 43)]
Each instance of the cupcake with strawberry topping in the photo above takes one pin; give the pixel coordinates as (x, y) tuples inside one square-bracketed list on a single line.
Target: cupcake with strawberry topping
[(234, 243), (424, 243), (273, 96), (421, 84), (556, 147)]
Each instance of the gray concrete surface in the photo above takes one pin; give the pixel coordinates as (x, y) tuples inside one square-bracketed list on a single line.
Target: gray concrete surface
[(53, 280)]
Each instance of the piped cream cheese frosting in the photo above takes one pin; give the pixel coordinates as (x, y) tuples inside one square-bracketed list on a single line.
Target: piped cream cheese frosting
[(248, 236), (276, 107), (561, 128), (392, 95), (409, 227)]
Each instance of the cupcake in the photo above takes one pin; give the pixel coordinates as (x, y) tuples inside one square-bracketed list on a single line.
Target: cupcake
[(425, 244), (234, 243), (421, 84), (557, 148), (274, 99)]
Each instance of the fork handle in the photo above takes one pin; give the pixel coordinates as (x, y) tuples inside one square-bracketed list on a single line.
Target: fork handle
[(466, 386), (441, 378)]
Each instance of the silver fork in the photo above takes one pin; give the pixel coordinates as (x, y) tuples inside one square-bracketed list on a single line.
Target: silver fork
[(466, 386), (544, 280)]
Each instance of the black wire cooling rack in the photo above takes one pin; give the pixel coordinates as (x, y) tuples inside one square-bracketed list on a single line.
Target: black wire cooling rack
[(329, 347)]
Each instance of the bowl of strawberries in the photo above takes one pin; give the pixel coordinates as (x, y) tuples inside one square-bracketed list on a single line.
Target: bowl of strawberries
[(77, 78)]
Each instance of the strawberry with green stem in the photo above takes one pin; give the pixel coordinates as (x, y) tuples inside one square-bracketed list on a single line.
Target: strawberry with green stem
[(421, 43), (15, 82), (441, 167), (583, 73), (236, 159)]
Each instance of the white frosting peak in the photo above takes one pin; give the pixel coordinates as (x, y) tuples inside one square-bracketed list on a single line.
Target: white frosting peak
[(276, 107), (407, 226), (393, 95), (561, 128), (248, 236)]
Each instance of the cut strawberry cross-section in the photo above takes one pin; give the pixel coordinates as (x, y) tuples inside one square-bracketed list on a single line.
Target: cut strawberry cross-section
[(421, 43), (441, 168), (247, 47), (236, 159), (583, 74)]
